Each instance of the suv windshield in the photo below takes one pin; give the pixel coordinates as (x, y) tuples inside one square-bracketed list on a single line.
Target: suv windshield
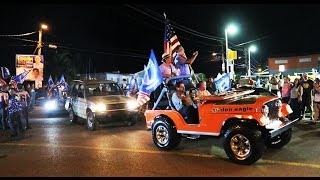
[(103, 89)]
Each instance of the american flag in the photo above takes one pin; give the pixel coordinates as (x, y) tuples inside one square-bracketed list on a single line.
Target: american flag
[(151, 80), (170, 39)]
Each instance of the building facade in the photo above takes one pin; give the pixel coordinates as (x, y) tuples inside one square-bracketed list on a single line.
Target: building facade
[(294, 64)]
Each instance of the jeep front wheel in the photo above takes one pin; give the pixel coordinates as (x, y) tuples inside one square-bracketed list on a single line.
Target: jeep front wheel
[(243, 145), (280, 140), (165, 135)]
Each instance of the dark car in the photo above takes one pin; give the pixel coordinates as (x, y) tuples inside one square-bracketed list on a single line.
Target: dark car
[(99, 101)]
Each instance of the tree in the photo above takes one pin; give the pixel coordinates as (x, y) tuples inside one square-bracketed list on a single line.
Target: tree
[(61, 62)]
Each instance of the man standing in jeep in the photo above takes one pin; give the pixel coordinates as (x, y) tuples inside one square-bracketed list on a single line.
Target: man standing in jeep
[(184, 104), (182, 62)]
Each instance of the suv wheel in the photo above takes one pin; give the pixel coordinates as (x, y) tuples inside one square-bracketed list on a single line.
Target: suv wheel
[(92, 123), (72, 116), (280, 140), (243, 145), (165, 135)]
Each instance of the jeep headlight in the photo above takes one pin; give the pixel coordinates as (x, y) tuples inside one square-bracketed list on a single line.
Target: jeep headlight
[(132, 105), (100, 107)]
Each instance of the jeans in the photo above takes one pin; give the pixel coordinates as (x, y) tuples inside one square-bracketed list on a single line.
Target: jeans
[(25, 115), (2, 119), (15, 123), (32, 101)]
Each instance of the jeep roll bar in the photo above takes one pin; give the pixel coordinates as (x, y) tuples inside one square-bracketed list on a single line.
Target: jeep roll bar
[(166, 90)]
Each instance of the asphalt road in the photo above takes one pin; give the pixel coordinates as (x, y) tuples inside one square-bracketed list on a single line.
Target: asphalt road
[(54, 147)]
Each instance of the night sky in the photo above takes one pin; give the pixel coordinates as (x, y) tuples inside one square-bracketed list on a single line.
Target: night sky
[(119, 37)]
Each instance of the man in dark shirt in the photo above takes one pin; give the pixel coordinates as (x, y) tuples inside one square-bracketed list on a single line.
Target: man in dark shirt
[(307, 86), (211, 87)]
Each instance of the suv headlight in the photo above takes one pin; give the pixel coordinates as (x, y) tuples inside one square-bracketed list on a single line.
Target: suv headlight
[(100, 107), (132, 105)]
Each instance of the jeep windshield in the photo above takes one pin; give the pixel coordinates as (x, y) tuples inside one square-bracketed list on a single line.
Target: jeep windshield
[(103, 89)]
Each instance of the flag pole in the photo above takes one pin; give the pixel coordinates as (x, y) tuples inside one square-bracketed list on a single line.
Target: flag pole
[(194, 75)]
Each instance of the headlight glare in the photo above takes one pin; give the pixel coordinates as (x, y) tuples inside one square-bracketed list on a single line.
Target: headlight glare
[(51, 105), (101, 107), (132, 105)]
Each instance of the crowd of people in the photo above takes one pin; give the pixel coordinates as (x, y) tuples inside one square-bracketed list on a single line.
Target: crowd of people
[(16, 101), (302, 95)]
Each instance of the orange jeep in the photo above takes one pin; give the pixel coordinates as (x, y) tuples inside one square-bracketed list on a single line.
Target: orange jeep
[(248, 123)]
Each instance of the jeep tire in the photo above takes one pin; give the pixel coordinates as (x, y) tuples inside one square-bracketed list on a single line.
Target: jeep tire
[(243, 145), (72, 117), (92, 123), (280, 140), (164, 134)]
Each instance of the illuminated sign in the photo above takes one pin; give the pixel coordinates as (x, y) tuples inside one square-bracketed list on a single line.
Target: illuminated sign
[(35, 63)]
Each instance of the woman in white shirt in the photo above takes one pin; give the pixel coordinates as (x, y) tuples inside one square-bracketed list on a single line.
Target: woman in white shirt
[(167, 68)]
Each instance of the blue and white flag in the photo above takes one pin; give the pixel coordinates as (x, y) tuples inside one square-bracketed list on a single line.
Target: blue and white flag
[(5, 73), (20, 77), (63, 83), (50, 82), (151, 80), (62, 80), (223, 83)]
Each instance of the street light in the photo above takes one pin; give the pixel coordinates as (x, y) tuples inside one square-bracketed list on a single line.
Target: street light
[(42, 27), (252, 48), (232, 29)]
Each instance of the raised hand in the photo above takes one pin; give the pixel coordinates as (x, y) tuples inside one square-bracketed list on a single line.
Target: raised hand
[(195, 53)]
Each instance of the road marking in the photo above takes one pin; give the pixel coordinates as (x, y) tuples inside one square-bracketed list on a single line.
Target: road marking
[(316, 166)]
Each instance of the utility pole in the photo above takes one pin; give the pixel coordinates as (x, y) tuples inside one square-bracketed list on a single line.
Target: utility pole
[(222, 57), (43, 26), (246, 60), (89, 69)]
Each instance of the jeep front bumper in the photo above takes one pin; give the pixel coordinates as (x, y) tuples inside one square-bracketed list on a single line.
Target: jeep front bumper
[(281, 128)]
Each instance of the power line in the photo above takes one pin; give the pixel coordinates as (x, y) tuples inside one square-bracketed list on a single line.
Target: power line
[(241, 44), (210, 36), (177, 27), (12, 35), (22, 39)]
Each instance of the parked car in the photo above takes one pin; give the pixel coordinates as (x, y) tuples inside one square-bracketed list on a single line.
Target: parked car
[(248, 123), (99, 101)]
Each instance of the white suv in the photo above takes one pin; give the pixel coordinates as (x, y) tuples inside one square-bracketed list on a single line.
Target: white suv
[(100, 101)]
